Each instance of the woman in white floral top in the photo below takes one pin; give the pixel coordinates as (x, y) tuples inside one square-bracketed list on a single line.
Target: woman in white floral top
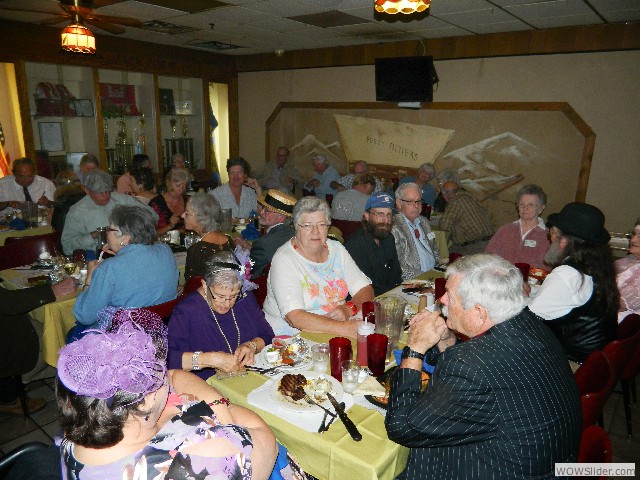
[(312, 277)]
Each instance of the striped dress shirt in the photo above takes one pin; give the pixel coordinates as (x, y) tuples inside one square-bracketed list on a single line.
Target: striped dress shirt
[(501, 405)]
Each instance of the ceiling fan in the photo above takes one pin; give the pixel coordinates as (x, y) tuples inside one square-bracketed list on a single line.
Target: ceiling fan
[(83, 10)]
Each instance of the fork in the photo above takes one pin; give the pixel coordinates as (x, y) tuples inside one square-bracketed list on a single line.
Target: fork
[(266, 371), (311, 401)]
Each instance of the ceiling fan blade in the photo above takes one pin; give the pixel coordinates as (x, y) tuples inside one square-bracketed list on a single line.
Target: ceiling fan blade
[(55, 20), (107, 27), (130, 22)]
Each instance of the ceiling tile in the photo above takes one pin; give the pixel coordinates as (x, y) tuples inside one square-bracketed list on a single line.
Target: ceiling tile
[(286, 8), (554, 22), (478, 17), (364, 29), (623, 16), (558, 8), (439, 7), (139, 10), (190, 6), (514, 26)]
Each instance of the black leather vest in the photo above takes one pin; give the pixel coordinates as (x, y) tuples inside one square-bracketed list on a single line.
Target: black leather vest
[(584, 329)]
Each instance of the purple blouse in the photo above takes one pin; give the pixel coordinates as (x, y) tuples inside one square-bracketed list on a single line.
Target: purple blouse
[(192, 328)]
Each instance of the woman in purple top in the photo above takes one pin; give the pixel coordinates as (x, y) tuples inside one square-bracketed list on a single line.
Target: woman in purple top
[(220, 326)]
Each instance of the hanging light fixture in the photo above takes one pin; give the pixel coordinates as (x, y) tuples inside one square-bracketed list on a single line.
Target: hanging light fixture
[(401, 6), (77, 38)]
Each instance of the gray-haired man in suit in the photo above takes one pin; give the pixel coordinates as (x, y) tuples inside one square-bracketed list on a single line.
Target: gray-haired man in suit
[(502, 404)]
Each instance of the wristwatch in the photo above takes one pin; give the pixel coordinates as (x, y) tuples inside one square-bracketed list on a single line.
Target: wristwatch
[(408, 352)]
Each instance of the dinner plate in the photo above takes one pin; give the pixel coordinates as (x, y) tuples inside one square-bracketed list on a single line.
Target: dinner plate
[(261, 362), (302, 406), (425, 286)]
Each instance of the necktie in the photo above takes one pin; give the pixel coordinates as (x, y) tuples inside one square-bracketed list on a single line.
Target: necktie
[(27, 195)]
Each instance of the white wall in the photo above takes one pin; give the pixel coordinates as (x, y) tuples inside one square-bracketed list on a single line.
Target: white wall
[(601, 87)]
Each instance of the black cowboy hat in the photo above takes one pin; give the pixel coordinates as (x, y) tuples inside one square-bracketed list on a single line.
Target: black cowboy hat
[(582, 221)]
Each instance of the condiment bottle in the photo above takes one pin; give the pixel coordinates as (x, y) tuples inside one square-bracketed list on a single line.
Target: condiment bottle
[(364, 330)]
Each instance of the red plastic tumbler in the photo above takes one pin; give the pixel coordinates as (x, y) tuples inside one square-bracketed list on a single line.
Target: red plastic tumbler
[(339, 350)]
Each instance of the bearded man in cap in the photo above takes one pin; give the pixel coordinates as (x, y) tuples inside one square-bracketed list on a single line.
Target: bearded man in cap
[(275, 210), (373, 247), (579, 298), (92, 212)]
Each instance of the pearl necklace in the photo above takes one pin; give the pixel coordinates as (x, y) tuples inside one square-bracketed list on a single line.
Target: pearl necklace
[(233, 315)]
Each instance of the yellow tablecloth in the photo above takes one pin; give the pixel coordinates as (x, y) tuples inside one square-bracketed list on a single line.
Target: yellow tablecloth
[(57, 317), (4, 234), (332, 455)]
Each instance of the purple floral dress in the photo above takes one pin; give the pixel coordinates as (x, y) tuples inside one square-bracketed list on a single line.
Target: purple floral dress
[(163, 457)]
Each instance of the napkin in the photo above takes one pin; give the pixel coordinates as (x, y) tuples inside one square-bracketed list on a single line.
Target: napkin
[(370, 386), (425, 366), (308, 421), (250, 232), (17, 224)]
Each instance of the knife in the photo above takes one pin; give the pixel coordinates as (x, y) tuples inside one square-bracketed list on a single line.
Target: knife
[(326, 427), (348, 424)]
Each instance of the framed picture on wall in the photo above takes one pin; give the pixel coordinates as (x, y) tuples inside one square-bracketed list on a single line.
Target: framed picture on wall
[(51, 136), (167, 105)]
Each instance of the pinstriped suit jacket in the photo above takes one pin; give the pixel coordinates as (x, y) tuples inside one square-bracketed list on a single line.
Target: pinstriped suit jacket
[(502, 405)]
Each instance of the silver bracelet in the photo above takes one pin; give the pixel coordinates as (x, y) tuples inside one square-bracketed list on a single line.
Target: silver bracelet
[(195, 364), (253, 344)]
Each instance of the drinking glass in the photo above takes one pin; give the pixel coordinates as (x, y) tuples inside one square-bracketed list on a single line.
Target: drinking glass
[(376, 353), (69, 265), (350, 374), (320, 356), (339, 351)]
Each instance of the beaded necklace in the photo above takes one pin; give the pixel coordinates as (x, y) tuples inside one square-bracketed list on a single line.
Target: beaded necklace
[(233, 315)]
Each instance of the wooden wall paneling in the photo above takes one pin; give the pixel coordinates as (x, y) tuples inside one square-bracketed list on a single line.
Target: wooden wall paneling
[(39, 43), (234, 133), (25, 111), (589, 38), (102, 153), (158, 139)]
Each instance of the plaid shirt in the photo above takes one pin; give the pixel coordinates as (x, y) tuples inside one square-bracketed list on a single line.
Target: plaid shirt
[(466, 219)]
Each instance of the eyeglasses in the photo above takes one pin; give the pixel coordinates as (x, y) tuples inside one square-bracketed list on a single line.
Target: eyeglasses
[(528, 206), (222, 298), (307, 227), (415, 203), (381, 215)]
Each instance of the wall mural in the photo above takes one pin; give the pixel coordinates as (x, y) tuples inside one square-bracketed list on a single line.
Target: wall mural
[(495, 150)]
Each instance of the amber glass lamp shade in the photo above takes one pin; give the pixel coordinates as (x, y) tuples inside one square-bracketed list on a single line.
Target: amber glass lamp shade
[(401, 6), (78, 39)]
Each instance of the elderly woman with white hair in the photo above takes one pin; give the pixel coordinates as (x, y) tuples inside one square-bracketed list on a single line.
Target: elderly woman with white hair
[(201, 215), (170, 205), (525, 240), (426, 172), (628, 276), (312, 277), (220, 326)]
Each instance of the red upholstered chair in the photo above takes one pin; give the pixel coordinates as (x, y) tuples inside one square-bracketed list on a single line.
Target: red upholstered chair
[(192, 284), (595, 379), (51, 240), (622, 353), (595, 447), (347, 227), (261, 292), (633, 367), (164, 309)]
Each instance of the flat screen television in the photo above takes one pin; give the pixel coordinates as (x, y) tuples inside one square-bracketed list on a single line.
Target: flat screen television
[(405, 79)]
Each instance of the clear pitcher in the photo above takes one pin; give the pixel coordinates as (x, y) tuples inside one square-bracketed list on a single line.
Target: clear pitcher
[(225, 220), (389, 312)]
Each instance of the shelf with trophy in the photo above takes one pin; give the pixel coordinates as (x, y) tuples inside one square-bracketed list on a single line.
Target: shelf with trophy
[(127, 100), (181, 120), (61, 107)]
